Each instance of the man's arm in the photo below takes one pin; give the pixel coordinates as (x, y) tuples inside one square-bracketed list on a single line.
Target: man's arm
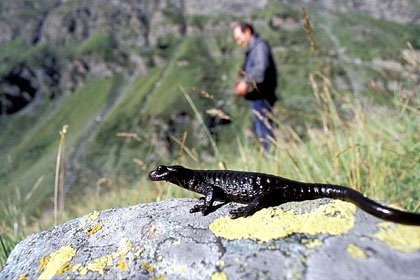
[(260, 58)]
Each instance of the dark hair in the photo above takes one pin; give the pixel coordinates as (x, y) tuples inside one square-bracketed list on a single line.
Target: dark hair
[(244, 26)]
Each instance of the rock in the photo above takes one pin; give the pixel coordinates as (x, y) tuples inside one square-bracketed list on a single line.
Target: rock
[(388, 64), (214, 7), (320, 239), (402, 11)]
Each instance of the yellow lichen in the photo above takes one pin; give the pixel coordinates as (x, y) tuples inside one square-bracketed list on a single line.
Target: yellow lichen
[(65, 268), (138, 253), (44, 261), (122, 265), (162, 277), (309, 243), (92, 216), (219, 276), (148, 267), (53, 264), (177, 242), (29, 251), (98, 265), (356, 252), (22, 277), (400, 237), (335, 217), (95, 228)]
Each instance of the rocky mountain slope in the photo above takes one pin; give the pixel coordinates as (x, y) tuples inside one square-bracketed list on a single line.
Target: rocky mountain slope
[(114, 72), (126, 25)]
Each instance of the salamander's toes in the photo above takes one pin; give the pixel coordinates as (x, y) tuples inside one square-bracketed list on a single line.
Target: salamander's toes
[(195, 209), (202, 208), (240, 212)]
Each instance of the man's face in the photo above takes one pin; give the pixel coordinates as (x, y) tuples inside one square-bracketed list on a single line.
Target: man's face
[(242, 38)]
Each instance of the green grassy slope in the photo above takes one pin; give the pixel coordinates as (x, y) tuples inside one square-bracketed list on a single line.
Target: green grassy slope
[(154, 109), (35, 156), (191, 62)]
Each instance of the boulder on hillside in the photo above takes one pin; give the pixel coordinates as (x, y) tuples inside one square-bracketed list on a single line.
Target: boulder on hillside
[(320, 239)]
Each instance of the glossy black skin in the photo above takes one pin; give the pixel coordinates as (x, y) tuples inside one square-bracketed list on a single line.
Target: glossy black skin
[(260, 190)]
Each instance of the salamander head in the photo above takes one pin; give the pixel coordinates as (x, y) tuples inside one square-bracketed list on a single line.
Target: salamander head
[(168, 173)]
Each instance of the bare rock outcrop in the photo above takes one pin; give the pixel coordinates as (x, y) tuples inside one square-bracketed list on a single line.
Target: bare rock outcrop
[(321, 239)]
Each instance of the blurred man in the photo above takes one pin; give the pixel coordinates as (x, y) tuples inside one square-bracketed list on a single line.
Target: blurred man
[(258, 83)]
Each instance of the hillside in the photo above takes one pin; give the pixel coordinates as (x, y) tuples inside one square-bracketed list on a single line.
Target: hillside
[(116, 72)]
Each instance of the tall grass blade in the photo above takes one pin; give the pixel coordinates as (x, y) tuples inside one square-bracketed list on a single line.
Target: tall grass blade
[(5, 251), (200, 119), (57, 170)]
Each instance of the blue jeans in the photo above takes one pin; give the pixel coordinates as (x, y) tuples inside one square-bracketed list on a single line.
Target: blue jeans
[(263, 124)]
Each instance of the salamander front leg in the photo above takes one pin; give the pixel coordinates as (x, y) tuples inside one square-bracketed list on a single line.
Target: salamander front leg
[(206, 207)]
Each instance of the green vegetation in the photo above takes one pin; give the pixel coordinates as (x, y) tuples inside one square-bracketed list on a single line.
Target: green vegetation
[(122, 127), (19, 52), (102, 45), (33, 157), (173, 15), (377, 154), (374, 38), (198, 21)]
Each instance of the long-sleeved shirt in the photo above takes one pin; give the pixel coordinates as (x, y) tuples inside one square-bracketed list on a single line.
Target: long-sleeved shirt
[(260, 67)]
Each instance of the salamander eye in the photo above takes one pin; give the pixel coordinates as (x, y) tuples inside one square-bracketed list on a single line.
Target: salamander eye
[(161, 168)]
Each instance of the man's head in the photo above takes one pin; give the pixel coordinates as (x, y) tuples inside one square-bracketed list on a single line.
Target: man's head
[(243, 34)]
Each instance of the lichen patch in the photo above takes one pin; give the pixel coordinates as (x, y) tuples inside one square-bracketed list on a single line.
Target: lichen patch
[(55, 262), (92, 216), (121, 264), (177, 242), (335, 218), (139, 252), (23, 277), (399, 237), (309, 243), (94, 229), (356, 252), (148, 267), (219, 276), (97, 265)]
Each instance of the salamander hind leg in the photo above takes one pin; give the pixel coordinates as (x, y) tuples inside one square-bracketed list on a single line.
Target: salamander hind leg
[(255, 205), (242, 212), (204, 209)]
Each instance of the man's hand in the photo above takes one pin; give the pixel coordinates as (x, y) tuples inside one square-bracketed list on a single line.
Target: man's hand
[(241, 88)]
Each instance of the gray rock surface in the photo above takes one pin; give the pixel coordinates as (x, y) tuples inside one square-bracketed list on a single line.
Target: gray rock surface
[(402, 11), (319, 239)]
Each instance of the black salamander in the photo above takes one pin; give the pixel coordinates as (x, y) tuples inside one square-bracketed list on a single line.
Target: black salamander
[(260, 190)]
